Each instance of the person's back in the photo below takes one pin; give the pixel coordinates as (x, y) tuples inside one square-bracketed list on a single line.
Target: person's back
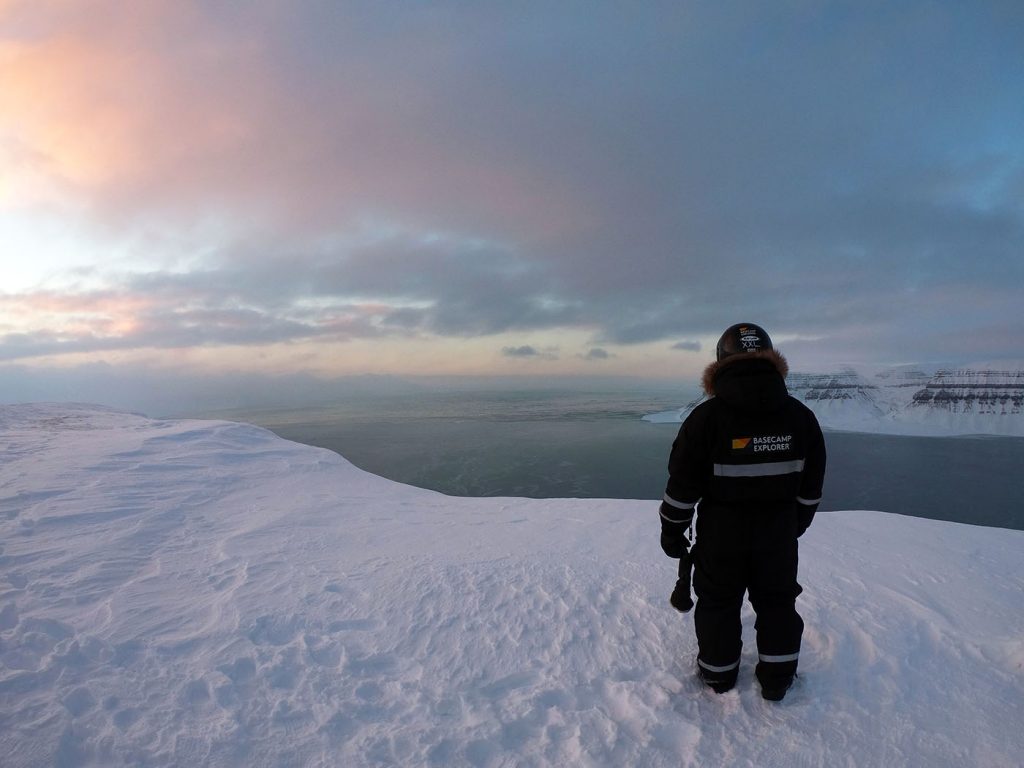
[(750, 461)]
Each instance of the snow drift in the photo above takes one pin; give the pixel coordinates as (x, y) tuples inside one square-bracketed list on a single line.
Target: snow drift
[(204, 593)]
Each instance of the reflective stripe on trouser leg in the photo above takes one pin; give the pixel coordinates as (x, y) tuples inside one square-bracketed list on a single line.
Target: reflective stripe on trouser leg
[(713, 668), (719, 582), (778, 659), (773, 591), (776, 671)]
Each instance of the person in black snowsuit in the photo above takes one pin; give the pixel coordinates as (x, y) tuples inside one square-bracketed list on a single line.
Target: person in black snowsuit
[(750, 461)]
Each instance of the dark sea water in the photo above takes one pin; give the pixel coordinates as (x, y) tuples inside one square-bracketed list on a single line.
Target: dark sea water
[(559, 444)]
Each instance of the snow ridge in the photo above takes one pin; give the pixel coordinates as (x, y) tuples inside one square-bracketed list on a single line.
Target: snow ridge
[(205, 593)]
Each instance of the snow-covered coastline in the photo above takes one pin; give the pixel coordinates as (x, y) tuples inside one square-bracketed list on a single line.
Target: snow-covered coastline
[(983, 399), (205, 593)]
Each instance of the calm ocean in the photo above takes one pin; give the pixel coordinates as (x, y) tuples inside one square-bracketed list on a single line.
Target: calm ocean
[(562, 444)]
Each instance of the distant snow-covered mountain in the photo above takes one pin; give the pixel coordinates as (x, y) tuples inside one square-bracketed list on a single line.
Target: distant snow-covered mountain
[(1000, 393), (985, 399)]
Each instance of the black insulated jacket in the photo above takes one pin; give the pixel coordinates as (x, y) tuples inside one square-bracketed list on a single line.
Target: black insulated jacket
[(751, 459)]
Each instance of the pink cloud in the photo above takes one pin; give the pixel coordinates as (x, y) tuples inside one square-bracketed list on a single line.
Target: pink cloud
[(160, 108)]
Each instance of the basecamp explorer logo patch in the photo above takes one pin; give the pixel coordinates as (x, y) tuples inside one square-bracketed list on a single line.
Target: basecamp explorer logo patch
[(762, 443)]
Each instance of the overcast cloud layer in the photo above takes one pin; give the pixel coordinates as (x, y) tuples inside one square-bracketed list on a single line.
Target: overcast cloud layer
[(569, 182)]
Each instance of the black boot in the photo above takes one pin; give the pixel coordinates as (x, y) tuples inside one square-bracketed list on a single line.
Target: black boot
[(777, 693), (775, 682), (719, 682)]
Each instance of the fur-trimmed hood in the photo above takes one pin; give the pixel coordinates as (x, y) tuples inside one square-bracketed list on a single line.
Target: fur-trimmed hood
[(771, 355)]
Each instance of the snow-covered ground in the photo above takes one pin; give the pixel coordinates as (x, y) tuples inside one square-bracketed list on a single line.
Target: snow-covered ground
[(200, 593)]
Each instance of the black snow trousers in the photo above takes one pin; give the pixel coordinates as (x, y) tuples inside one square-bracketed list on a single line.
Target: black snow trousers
[(720, 579)]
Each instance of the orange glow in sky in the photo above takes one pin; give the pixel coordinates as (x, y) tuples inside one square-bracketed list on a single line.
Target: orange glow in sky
[(420, 188)]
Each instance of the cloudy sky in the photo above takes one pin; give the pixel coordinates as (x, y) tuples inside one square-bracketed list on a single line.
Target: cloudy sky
[(542, 188)]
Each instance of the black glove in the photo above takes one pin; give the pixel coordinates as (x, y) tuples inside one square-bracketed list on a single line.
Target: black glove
[(673, 539), (680, 598), (805, 514)]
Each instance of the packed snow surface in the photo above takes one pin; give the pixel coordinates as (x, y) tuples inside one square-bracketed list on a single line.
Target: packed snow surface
[(203, 593)]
